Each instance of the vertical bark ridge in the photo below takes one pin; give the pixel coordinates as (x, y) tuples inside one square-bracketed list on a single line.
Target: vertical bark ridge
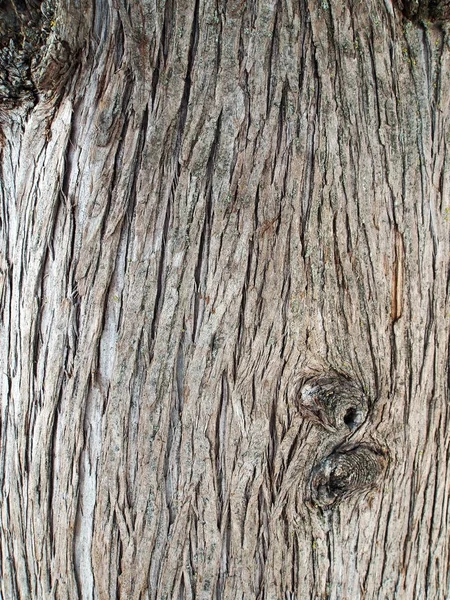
[(241, 195)]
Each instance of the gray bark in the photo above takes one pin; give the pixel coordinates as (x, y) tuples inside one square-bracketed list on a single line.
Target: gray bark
[(224, 287)]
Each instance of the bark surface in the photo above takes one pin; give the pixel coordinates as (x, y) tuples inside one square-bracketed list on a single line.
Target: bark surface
[(224, 292)]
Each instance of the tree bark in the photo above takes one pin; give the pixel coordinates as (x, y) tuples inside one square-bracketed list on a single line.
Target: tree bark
[(426, 10), (224, 294)]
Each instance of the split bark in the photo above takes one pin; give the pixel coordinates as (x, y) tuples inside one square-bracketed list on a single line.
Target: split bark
[(217, 205)]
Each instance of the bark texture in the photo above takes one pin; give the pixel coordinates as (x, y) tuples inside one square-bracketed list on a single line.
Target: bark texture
[(224, 296), (426, 10)]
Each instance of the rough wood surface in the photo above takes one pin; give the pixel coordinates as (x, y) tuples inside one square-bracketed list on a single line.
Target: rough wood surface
[(224, 202), (426, 10)]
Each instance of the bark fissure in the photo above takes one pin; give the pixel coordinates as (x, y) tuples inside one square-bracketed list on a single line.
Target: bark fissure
[(215, 206)]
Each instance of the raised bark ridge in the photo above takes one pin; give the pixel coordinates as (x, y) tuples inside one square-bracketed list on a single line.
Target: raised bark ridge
[(226, 196)]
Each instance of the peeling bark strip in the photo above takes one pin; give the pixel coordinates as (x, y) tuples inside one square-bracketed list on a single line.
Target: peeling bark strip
[(219, 197)]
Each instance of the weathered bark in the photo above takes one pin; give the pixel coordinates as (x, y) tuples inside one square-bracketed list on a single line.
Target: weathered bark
[(225, 304), (426, 10)]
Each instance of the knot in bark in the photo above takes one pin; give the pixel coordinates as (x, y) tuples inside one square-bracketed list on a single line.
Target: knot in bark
[(345, 472), (334, 401)]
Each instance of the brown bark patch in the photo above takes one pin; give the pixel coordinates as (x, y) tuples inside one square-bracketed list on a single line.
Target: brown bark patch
[(397, 277)]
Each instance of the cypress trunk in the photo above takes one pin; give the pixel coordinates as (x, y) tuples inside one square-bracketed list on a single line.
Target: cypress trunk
[(224, 292)]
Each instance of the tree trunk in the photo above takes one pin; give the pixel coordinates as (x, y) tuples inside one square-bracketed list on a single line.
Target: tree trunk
[(225, 302)]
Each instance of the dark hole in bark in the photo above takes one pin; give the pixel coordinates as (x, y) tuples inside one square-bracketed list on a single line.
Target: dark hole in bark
[(333, 400), (351, 418), (339, 483)]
